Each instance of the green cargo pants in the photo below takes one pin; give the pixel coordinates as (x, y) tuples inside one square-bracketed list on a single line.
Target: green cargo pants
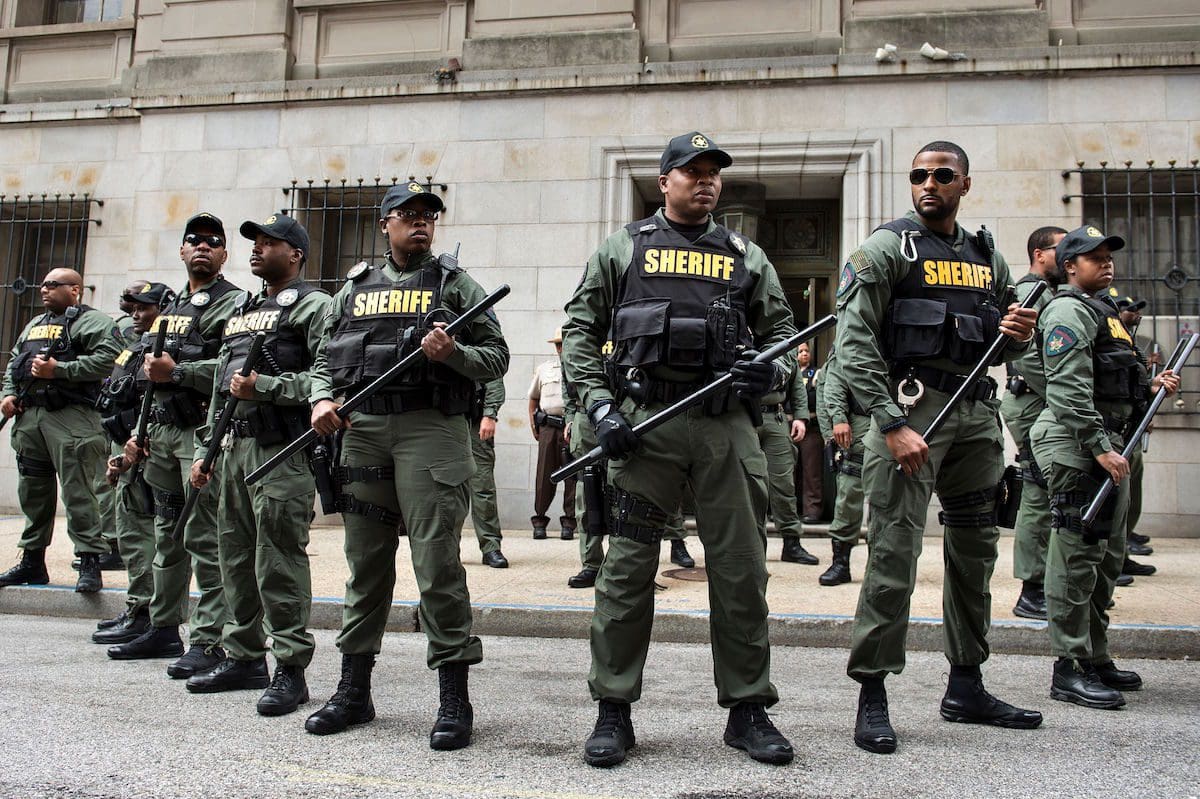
[(431, 464), (135, 537), (262, 533), (1031, 537), (1080, 577), (107, 502), (172, 451), (720, 459), (1137, 470), (966, 459), (484, 514), (774, 437), (64, 446), (848, 507)]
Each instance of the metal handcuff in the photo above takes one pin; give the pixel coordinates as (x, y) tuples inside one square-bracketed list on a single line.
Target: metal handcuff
[(909, 392)]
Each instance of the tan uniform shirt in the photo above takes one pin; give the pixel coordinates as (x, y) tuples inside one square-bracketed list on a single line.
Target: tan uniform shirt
[(547, 388)]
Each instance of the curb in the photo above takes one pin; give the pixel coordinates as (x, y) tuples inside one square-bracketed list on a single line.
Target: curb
[(1159, 642)]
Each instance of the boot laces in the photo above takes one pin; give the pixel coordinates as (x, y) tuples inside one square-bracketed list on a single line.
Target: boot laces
[(756, 716), (452, 704), (609, 720), (282, 680), (876, 710)]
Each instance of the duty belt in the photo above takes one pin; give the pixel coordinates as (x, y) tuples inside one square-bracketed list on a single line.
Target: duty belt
[(554, 421), (946, 382), (667, 392), (776, 408), (384, 404), (1114, 424)]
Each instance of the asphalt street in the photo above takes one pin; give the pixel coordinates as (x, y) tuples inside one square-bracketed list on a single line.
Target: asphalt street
[(77, 724)]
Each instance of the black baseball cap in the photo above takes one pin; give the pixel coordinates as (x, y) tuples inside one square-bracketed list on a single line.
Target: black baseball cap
[(1125, 302), (682, 149), (146, 292), (1083, 240), (278, 226), (205, 220), (402, 193)]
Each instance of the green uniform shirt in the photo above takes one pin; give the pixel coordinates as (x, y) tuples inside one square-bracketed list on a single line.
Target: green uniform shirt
[(590, 312), (864, 295), (1068, 331), (493, 397), (833, 397), (288, 390), (1029, 365), (96, 341), (480, 352), (125, 325)]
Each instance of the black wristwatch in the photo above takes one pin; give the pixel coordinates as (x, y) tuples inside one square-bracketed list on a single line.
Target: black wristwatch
[(177, 375)]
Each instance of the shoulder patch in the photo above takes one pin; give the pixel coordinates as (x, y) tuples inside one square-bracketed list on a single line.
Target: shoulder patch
[(847, 279), (1060, 341), (358, 270)]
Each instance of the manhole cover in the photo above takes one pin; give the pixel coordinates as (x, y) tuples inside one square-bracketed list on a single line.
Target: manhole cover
[(696, 575)]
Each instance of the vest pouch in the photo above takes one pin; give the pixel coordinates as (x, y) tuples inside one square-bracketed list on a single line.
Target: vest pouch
[(345, 357), (120, 427), (183, 410), (915, 328), (51, 398), (1114, 373), (966, 341), (20, 367), (638, 331), (378, 358), (687, 342), (726, 326)]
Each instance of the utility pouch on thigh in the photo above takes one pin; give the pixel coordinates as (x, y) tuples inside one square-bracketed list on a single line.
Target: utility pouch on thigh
[(1008, 498), (635, 518), (595, 503), (142, 492)]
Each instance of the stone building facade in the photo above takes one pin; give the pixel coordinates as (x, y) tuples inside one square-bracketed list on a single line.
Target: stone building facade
[(540, 123)]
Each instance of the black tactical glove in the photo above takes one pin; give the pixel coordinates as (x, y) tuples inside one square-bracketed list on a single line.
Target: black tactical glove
[(751, 378), (613, 432)]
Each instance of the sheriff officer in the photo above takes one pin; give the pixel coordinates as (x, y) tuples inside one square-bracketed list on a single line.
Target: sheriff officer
[(1096, 388), (50, 387), (262, 530), (183, 379), (120, 403), (406, 461), (685, 300), (919, 302)]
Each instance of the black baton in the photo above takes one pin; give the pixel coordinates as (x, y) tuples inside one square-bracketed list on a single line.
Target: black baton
[(697, 396)]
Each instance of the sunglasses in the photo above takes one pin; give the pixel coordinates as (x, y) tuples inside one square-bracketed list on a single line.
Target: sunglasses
[(212, 240), (53, 284), (943, 174), (408, 215)]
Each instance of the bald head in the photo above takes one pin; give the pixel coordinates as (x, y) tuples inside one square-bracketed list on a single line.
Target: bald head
[(61, 288)]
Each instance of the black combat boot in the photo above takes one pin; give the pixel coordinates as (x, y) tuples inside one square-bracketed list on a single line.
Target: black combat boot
[(680, 555), (1117, 679), (794, 552), (967, 701), (872, 728), (286, 693), (585, 579), (1079, 683), (1141, 550), (1031, 604), (612, 736), (199, 659), (115, 621), (156, 642), (131, 628), (1134, 569), (751, 730), (351, 702), (839, 569), (89, 581), (231, 675), (452, 729), (30, 569)]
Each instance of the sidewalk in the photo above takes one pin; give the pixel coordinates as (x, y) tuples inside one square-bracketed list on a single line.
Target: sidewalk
[(1158, 616)]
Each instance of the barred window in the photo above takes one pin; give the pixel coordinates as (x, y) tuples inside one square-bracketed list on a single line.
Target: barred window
[(342, 220), (37, 233), (1157, 211)]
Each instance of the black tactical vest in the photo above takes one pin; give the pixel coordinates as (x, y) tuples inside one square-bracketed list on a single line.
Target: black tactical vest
[(1119, 374), (947, 305), (682, 304), (184, 342), (51, 336), (286, 346), (120, 389), (382, 321)]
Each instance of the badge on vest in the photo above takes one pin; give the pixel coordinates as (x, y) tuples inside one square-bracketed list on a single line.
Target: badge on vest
[(200, 299), (737, 243), (1060, 340), (287, 297), (358, 270)]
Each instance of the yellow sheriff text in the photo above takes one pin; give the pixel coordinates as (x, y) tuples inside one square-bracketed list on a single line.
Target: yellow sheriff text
[(124, 357), (252, 322), (176, 325), (957, 274), (1118, 330), (392, 301), (44, 332), (688, 263)]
